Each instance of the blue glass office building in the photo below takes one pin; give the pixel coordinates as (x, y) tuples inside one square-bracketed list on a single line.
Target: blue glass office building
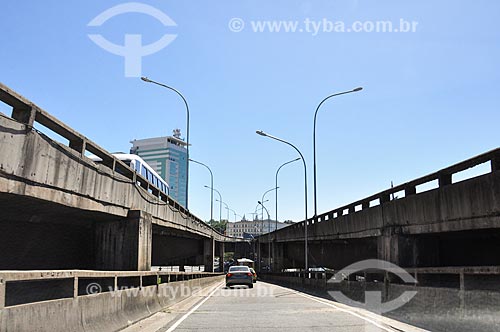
[(167, 156)]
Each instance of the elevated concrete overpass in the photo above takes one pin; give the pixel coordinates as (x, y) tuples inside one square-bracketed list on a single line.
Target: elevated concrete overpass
[(60, 210), (72, 224), (436, 220)]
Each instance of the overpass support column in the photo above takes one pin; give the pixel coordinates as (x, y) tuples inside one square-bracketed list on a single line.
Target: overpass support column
[(126, 244), (208, 254), (221, 256), (397, 248), (278, 257), (259, 257)]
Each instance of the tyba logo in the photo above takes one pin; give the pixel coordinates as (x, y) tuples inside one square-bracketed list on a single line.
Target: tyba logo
[(373, 299), (132, 50)]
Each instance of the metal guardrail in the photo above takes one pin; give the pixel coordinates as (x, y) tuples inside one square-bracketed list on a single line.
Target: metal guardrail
[(28, 113), (443, 176)]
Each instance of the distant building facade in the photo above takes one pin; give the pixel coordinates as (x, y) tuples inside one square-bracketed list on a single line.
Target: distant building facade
[(167, 156), (249, 228)]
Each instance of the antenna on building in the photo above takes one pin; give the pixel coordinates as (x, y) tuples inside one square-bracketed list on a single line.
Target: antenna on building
[(177, 133)]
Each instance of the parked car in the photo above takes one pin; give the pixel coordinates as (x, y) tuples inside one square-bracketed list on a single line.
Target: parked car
[(239, 275), (254, 275)]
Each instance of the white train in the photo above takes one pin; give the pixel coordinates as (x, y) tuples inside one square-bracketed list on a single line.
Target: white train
[(139, 166)]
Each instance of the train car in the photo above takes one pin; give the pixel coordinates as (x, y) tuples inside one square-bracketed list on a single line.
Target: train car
[(137, 164)]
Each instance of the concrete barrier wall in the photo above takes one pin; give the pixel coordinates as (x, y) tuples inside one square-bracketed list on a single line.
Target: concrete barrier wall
[(109, 311), (468, 205), (59, 174), (440, 309)]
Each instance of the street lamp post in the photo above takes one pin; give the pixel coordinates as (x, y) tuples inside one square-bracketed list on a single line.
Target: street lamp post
[(220, 200), (256, 213), (145, 79), (211, 189), (268, 234), (276, 185), (262, 200), (276, 197), (261, 133), (235, 214), (227, 208), (314, 144)]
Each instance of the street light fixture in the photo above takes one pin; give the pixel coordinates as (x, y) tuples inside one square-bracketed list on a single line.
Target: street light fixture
[(257, 208), (261, 133), (220, 197), (263, 201), (314, 144), (235, 214), (268, 234), (276, 185), (145, 79), (227, 208), (211, 189)]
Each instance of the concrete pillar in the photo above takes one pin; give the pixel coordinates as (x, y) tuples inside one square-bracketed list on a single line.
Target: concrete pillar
[(387, 248), (410, 191), (124, 245), (444, 179), (78, 145), (384, 198), (259, 257), (278, 256), (221, 256), (2, 293), (208, 254), (24, 115), (495, 163), (397, 248)]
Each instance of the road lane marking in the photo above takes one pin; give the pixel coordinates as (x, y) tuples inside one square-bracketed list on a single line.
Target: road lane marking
[(343, 310), (177, 323)]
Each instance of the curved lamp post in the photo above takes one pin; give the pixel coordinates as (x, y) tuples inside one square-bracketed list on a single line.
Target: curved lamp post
[(234, 212), (262, 201), (276, 185), (220, 200), (314, 144), (227, 208), (211, 189), (261, 133), (268, 234), (145, 79)]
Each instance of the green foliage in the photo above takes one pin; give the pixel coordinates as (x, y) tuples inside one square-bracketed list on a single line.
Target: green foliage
[(220, 226)]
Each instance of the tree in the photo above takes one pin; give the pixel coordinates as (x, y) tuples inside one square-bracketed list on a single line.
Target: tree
[(220, 226)]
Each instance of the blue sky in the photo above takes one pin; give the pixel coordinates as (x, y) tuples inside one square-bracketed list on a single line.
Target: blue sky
[(430, 97)]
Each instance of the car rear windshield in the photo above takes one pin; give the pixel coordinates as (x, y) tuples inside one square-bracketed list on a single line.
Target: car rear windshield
[(238, 268)]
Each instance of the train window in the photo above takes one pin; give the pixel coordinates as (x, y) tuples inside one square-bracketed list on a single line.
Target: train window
[(144, 171)]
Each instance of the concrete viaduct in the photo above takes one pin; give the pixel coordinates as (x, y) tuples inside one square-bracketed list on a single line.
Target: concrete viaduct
[(60, 210), (68, 223), (433, 221)]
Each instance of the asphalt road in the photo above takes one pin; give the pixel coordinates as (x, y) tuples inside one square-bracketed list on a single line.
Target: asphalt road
[(266, 307)]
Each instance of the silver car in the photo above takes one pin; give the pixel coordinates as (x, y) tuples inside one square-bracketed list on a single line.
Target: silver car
[(239, 275)]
